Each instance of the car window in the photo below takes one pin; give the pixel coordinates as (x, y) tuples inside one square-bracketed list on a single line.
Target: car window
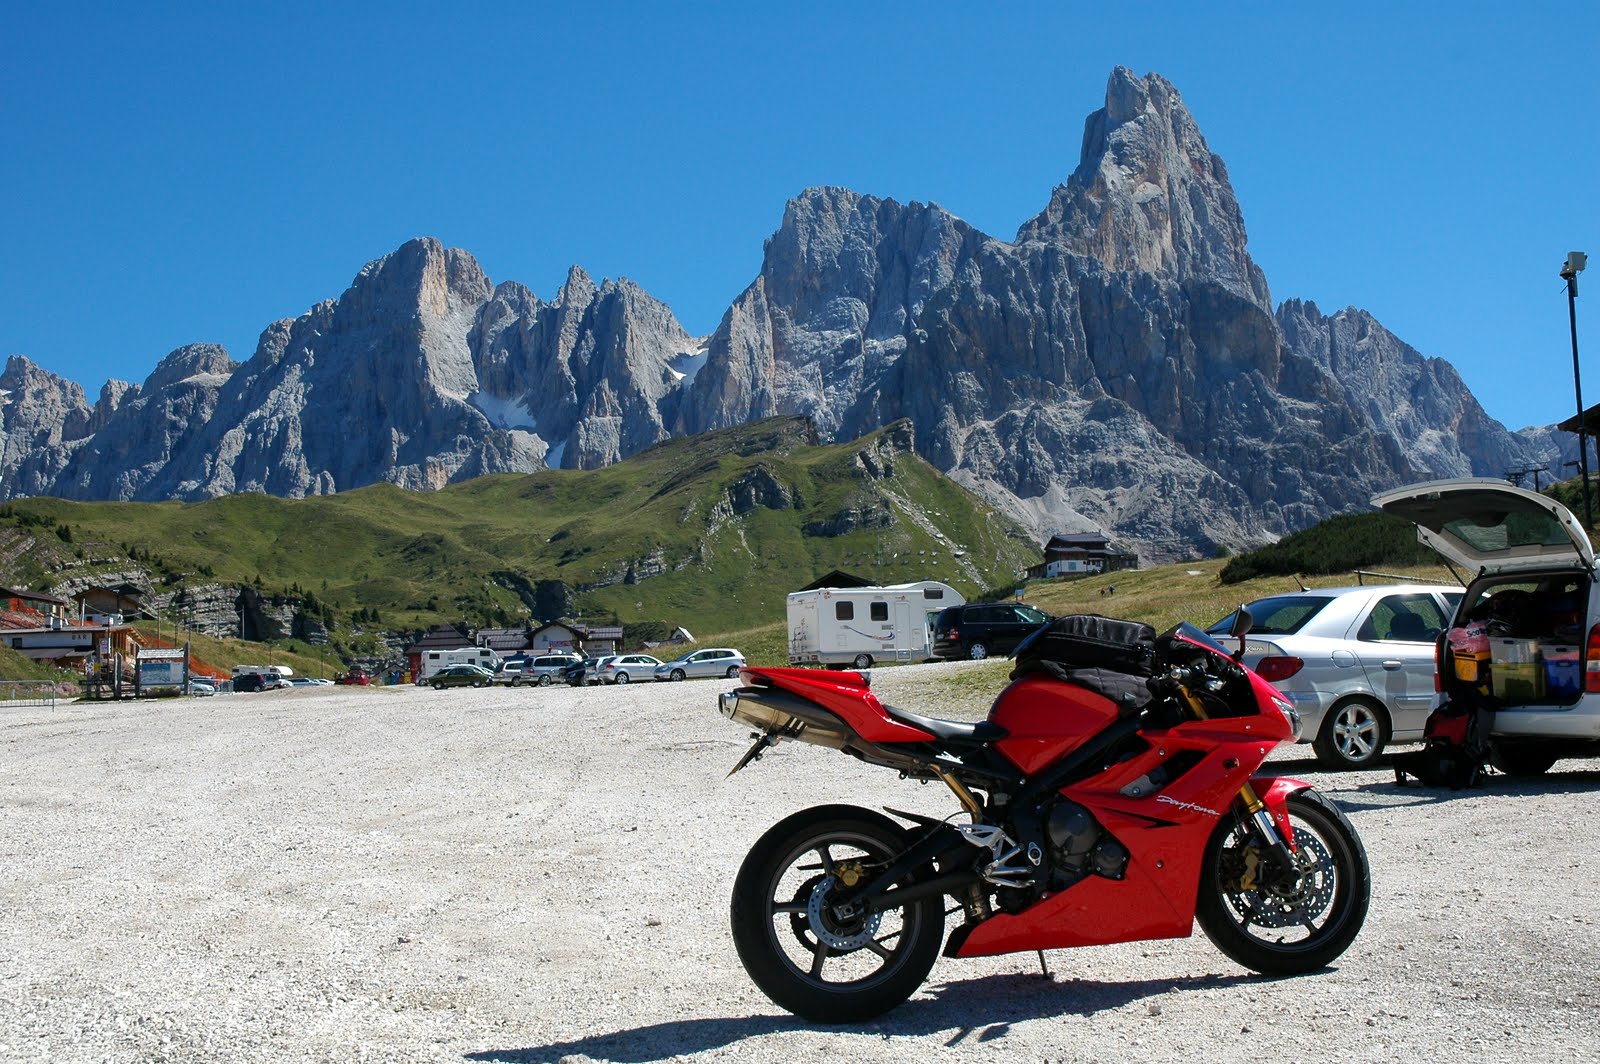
[(1403, 619), (1029, 615), (844, 611), (1284, 615), (880, 611)]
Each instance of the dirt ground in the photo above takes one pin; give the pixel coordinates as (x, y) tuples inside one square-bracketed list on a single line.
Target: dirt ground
[(543, 874)]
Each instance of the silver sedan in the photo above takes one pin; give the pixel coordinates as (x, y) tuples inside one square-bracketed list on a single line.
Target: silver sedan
[(1357, 662)]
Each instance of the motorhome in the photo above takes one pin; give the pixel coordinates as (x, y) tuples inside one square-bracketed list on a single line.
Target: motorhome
[(434, 660), (860, 626)]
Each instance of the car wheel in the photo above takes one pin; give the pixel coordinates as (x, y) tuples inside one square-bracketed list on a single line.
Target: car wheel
[(733, 670), (977, 651), (515, 680), (438, 687), (544, 681), (478, 683), (1353, 734), (863, 661), (1532, 759), (622, 677), (677, 674)]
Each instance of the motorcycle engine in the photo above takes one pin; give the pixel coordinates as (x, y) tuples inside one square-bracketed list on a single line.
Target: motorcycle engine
[(1079, 846)]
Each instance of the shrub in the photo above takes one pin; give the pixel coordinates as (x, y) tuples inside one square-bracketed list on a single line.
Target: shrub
[(1339, 544)]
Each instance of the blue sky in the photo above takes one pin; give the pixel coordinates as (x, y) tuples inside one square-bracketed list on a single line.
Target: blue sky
[(174, 174)]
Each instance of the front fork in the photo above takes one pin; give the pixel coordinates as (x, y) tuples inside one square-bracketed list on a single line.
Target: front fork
[(1275, 831)]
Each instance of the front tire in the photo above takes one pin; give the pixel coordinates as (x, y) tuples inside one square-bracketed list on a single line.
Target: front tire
[(1296, 928), (796, 946), (862, 661), (1353, 735), (677, 674)]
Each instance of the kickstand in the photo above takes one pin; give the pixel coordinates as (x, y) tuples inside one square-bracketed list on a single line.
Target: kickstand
[(1045, 967)]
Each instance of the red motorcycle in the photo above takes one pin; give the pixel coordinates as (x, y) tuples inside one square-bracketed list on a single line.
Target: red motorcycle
[(1110, 796)]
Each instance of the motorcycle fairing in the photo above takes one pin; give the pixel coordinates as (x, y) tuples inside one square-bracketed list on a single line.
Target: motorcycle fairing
[(846, 695), (1165, 830)]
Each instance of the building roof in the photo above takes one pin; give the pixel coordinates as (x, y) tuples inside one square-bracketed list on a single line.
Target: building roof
[(1078, 539), (613, 631), (442, 637), (503, 638), (31, 596), (836, 578)]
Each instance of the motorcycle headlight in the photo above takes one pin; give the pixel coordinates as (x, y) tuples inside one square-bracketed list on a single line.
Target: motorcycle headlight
[(1289, 711)]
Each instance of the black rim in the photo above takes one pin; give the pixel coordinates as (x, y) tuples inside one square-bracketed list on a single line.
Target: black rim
[(824, 948), (1286, 918)]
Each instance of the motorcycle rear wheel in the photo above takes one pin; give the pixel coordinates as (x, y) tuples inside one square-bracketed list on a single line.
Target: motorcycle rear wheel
[(792, 942), (1294, 931)]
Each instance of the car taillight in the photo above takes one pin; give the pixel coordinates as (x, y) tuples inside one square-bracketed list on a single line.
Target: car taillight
[(952, 633), (1278, 668), (1591, 662)]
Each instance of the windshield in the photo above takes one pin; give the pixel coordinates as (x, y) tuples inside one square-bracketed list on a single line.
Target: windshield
[(1185, 630), (1283, 615)]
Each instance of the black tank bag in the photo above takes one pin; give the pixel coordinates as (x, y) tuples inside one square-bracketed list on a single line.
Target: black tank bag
[(1110, 657)]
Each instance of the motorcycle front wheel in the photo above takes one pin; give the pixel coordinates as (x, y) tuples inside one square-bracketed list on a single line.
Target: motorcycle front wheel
[(1285, 928), (799, 948)]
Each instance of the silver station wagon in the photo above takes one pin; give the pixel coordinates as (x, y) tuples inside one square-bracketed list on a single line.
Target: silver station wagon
[(1357, 662)]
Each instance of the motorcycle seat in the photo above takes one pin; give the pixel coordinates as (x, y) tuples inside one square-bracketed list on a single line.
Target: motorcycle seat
[(975, 732)]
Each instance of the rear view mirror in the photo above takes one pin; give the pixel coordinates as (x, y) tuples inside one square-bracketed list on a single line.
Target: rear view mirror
[(1242, 623)]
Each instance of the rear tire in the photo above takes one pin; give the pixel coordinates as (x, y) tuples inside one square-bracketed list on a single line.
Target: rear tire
[(862, 661), (622, 677), (1352, 735), (1326, 907), (978, 651), (1532, 759), (544, 681), (733, 671), (796, 948)]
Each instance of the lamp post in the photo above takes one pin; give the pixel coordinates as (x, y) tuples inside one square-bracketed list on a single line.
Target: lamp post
[(1576, 261)]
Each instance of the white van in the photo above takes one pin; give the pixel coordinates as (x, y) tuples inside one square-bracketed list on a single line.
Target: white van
[(434, 660), (859, 626)]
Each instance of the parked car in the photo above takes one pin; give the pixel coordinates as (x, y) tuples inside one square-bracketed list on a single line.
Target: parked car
[(546, 668), (1535, 602), (463, 675), (1357, 662), (257, 681), (625, 668), (583, 673), (356, 676), (713, 661), (303, 681), (511, 670), (200, 687), (981, 629)]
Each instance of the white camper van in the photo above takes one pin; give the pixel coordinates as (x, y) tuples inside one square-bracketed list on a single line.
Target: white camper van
[(434, 660), (859, 626)]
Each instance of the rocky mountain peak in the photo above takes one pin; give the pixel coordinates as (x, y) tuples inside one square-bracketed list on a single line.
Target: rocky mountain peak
[(193, 360), (1150, 196)]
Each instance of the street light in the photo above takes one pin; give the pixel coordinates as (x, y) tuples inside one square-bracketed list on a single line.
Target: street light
[(1576, 261)]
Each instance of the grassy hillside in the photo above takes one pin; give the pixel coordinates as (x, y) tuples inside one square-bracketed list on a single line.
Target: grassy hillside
[(710, 532)]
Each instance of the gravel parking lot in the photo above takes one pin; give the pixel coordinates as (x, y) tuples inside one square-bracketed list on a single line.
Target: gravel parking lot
[(543, 874)]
